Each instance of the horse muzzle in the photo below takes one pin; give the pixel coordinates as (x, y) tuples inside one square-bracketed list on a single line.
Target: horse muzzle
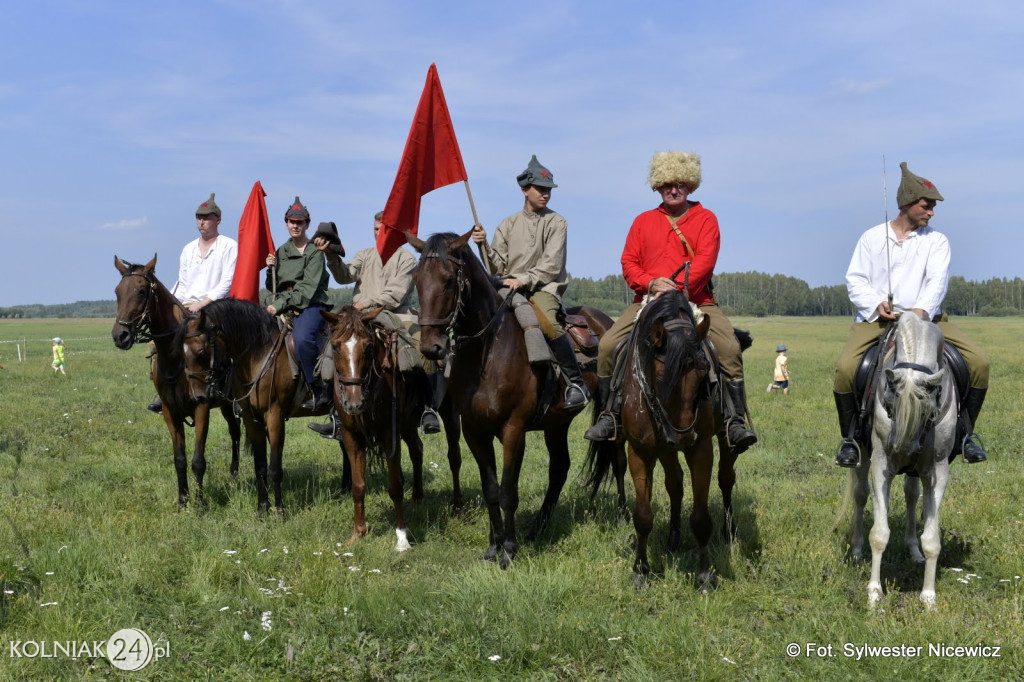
[(123, 338)]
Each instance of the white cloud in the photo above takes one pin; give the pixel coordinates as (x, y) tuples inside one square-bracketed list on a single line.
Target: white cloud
[(129, 224)]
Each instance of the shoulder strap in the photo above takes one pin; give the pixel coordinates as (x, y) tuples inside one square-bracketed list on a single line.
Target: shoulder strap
[(686, 245)]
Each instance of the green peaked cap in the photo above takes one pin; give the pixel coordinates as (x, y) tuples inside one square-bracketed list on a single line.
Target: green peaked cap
[(536, 174), (297, 211), (209, 206), (914, 187)]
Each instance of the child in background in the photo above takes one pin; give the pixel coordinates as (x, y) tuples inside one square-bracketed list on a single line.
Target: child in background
[(781, 371), (58, 356)]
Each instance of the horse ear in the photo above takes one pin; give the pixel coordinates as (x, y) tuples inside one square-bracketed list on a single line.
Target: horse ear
[(703, 326), (461, 241), (414, 241), (331, 318), (371, 314), (889, 374), (658, 334), (150, 266), (120, 265), (935, 379)]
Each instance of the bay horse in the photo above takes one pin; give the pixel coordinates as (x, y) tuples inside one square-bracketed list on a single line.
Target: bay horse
[(495, 390), (379, 406), (914, 431), (147, 311), (235, 349), (667, 406)]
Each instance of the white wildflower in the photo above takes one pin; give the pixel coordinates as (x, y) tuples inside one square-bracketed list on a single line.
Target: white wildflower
[(246, 636), (224, 608), (230, 551), (495, 657), (614, 639), (49, 603), (265, 620)]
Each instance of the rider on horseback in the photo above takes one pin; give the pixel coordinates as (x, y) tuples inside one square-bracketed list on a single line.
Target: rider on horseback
[(378, 285), (660, 240), (528, 255), (302, 289), (916, 273)]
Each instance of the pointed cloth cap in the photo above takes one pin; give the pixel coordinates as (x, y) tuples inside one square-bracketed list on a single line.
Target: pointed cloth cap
[(672, 168), (914, 187), (297, 211), (209, 206), (536, 174)]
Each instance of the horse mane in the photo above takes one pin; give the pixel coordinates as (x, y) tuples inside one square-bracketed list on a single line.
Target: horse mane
[(677, 347), (913, 403), (241, 324), (437, 246)]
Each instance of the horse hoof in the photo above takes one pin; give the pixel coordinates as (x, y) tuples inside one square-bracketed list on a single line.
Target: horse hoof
[(491, 554), (706, 583), (641, 581)]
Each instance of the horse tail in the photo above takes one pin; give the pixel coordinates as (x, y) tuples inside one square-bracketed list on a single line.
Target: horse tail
[(600, 458), (851, 482)]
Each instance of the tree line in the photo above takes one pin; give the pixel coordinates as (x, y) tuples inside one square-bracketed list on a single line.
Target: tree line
[(754, 294)]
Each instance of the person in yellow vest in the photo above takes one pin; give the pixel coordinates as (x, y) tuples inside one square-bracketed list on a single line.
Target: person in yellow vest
[(58, 356)]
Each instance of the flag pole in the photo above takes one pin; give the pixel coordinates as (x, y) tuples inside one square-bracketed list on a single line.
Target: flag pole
[(472, 207)]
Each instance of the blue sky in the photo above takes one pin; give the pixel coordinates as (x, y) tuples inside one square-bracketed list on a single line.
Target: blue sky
[(118, 118)]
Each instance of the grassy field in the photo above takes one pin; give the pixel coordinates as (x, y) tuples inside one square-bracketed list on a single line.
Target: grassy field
[(91, 541)]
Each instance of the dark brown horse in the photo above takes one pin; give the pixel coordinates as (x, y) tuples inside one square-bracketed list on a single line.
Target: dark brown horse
[(496, 391), (667, 406), (235, 349), (146, 311), (378, 406)]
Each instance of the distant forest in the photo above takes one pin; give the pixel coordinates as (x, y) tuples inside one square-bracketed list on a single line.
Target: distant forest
[(754, 294)]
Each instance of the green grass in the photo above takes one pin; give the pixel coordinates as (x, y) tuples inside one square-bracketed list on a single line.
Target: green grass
[(89, 520)]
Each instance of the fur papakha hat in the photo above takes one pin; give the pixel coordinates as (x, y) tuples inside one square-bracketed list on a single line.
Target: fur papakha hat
[(209, 206), (536, 174), (297, 211), (913, 187), (669, 168)]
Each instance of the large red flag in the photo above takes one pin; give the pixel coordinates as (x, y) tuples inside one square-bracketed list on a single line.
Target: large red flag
[(254, 244), (431, 159)]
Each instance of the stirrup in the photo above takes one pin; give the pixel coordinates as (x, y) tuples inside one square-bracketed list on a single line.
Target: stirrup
[(615, 428), (576, 405), (430, 425), (845, 462), (974, 440)]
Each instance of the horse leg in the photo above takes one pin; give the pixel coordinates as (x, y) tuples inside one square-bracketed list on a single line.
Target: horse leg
[(857, 482), (513, 445), (275, 433), (641, 468), (235, 430), (726, 482), (911, 491), (396, 489), (176, 427), (353, 446), (256, 435), (201, 421), (452, 432), (674, 480), (415, 444), (556, 440), (482, 447), (701, 461), (881, 481), (931, 540), (346, 470), (620, 466)]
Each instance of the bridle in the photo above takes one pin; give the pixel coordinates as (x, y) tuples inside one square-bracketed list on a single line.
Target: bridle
[(659, 415), (449, 322), (139, 328)]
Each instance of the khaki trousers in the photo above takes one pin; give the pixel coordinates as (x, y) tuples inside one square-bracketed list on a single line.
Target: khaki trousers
[(864, 334)]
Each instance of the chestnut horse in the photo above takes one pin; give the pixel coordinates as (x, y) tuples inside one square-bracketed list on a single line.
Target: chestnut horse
[(147, 311), (495, 389), (235, 349), (378, 406), (668, 405)]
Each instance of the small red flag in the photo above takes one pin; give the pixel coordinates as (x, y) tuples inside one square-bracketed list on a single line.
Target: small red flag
[(431, 159), (254, 245)]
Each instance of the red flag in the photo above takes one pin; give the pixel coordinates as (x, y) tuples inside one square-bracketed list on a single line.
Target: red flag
[(431, 159), (254, 244)]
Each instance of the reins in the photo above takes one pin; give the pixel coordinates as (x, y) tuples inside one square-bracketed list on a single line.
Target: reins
[(140, 328)]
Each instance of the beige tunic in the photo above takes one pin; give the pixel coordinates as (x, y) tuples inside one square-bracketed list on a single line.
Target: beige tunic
[(531, 248), (377, 285)]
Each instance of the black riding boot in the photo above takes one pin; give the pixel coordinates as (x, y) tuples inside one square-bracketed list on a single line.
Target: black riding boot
[(320, 396), (576, 396), (848, 453), (332, 429), (157, 406), (433, 392), (606, 426), (967, 441), (739, 436)]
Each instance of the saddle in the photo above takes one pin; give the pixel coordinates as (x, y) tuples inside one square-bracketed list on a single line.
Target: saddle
[(583, 338), (871, 365)]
